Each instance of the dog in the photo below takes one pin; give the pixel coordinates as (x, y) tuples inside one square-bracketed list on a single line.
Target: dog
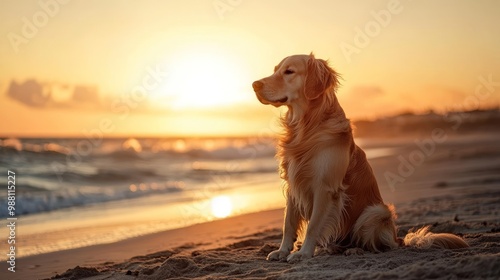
[(331, 193)]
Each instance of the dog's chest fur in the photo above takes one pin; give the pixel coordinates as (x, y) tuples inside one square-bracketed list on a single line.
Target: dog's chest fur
[(303, 171), (302, 195), (306, 162)]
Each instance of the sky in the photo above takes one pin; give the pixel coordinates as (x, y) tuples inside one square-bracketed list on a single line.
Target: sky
[(185, 67)]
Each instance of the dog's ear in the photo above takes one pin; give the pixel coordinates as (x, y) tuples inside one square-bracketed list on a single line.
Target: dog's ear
[(319, 78)]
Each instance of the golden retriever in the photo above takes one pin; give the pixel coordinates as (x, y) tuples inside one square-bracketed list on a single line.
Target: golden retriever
[(330, 185)]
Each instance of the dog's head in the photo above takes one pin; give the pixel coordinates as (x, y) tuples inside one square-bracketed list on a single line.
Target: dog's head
[(297, 79)]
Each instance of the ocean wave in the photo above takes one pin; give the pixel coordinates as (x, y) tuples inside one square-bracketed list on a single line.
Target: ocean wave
[(215, 171), (231, 152), (14, 145), (123, 155), (101, 175), (37, 202), (142, 149)]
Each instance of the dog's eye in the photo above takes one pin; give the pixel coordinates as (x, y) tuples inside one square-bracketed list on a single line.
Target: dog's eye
[(288, 72)]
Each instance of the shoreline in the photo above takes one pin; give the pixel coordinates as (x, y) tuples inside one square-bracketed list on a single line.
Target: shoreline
[(236, 247), (121, 220), (223, 231)]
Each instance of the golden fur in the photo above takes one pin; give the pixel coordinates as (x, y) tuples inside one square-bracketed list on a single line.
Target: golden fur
[(329, 182)]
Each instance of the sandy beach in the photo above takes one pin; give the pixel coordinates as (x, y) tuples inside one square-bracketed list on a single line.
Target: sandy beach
[(456, 189), (236, 248)]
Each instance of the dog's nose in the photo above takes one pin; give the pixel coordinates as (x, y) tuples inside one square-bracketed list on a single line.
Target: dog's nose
[(257, 85)]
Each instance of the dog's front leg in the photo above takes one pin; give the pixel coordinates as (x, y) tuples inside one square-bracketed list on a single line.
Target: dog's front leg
[(321, 208), (290, 228)]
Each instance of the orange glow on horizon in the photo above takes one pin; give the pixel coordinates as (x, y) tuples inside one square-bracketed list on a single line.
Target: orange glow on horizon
[(62, 82)]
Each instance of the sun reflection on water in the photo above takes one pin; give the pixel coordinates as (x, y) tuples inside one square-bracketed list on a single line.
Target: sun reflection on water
[(221, 206)]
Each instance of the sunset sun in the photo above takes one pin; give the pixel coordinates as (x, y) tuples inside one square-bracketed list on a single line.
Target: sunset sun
[(201, 79)]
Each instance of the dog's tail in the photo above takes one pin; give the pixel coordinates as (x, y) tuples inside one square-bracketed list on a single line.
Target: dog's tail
[(375, 230), (423, 238)]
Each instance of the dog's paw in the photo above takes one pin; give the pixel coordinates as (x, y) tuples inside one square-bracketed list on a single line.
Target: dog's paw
[(333, 249), (354, 251), (277, 255), (298, 256)]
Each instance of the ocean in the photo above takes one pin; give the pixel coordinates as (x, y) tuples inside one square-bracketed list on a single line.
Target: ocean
[(60, 173)]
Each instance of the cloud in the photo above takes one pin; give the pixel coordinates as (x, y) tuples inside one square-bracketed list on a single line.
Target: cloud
[(85, 95), (35, 94), (30, 93)]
